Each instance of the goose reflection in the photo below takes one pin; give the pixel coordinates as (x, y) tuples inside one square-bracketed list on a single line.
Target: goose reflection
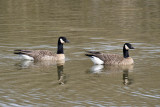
[(61, 75), (97, 68), (29, 63), (45, 64), (110, 69), (126, 79)]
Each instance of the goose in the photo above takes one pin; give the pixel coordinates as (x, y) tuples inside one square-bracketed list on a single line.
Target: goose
[(112, 59), (40, 55)]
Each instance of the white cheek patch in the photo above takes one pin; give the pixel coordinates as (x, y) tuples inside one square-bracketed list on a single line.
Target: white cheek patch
[(126, 47), (62, 41)]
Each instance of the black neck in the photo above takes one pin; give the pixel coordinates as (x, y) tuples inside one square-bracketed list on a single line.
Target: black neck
[(125, 52), (60, 48)]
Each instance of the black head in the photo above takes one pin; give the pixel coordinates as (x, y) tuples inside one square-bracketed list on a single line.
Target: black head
[(63, 40), (128, 46)]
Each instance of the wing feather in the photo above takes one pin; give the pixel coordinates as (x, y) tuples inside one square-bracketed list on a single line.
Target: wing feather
[(36, 54)]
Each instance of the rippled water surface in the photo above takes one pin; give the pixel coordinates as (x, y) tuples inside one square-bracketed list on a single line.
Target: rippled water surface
[(102, 25)]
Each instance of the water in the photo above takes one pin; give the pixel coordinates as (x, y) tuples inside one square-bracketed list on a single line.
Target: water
[(89, 25)]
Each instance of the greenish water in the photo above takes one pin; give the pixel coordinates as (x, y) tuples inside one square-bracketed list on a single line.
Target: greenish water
[(89, 25)]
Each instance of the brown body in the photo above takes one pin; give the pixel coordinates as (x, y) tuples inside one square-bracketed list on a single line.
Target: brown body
[(41, 55), (113, 59)]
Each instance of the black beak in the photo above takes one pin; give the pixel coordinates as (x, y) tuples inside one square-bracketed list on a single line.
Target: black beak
[(67, 41)]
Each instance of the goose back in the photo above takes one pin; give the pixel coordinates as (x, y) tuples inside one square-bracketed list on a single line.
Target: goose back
[(41, 54), (112, 59)]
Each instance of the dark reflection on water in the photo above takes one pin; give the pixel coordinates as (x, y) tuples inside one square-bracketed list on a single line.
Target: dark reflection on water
[(126, 79), (110, 68), (24, 64), (114, 69), (61, 75)]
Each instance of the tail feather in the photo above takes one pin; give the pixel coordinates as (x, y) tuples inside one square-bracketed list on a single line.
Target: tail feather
[(95, 59), (93, 52), (89, 55), (21, 51)]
